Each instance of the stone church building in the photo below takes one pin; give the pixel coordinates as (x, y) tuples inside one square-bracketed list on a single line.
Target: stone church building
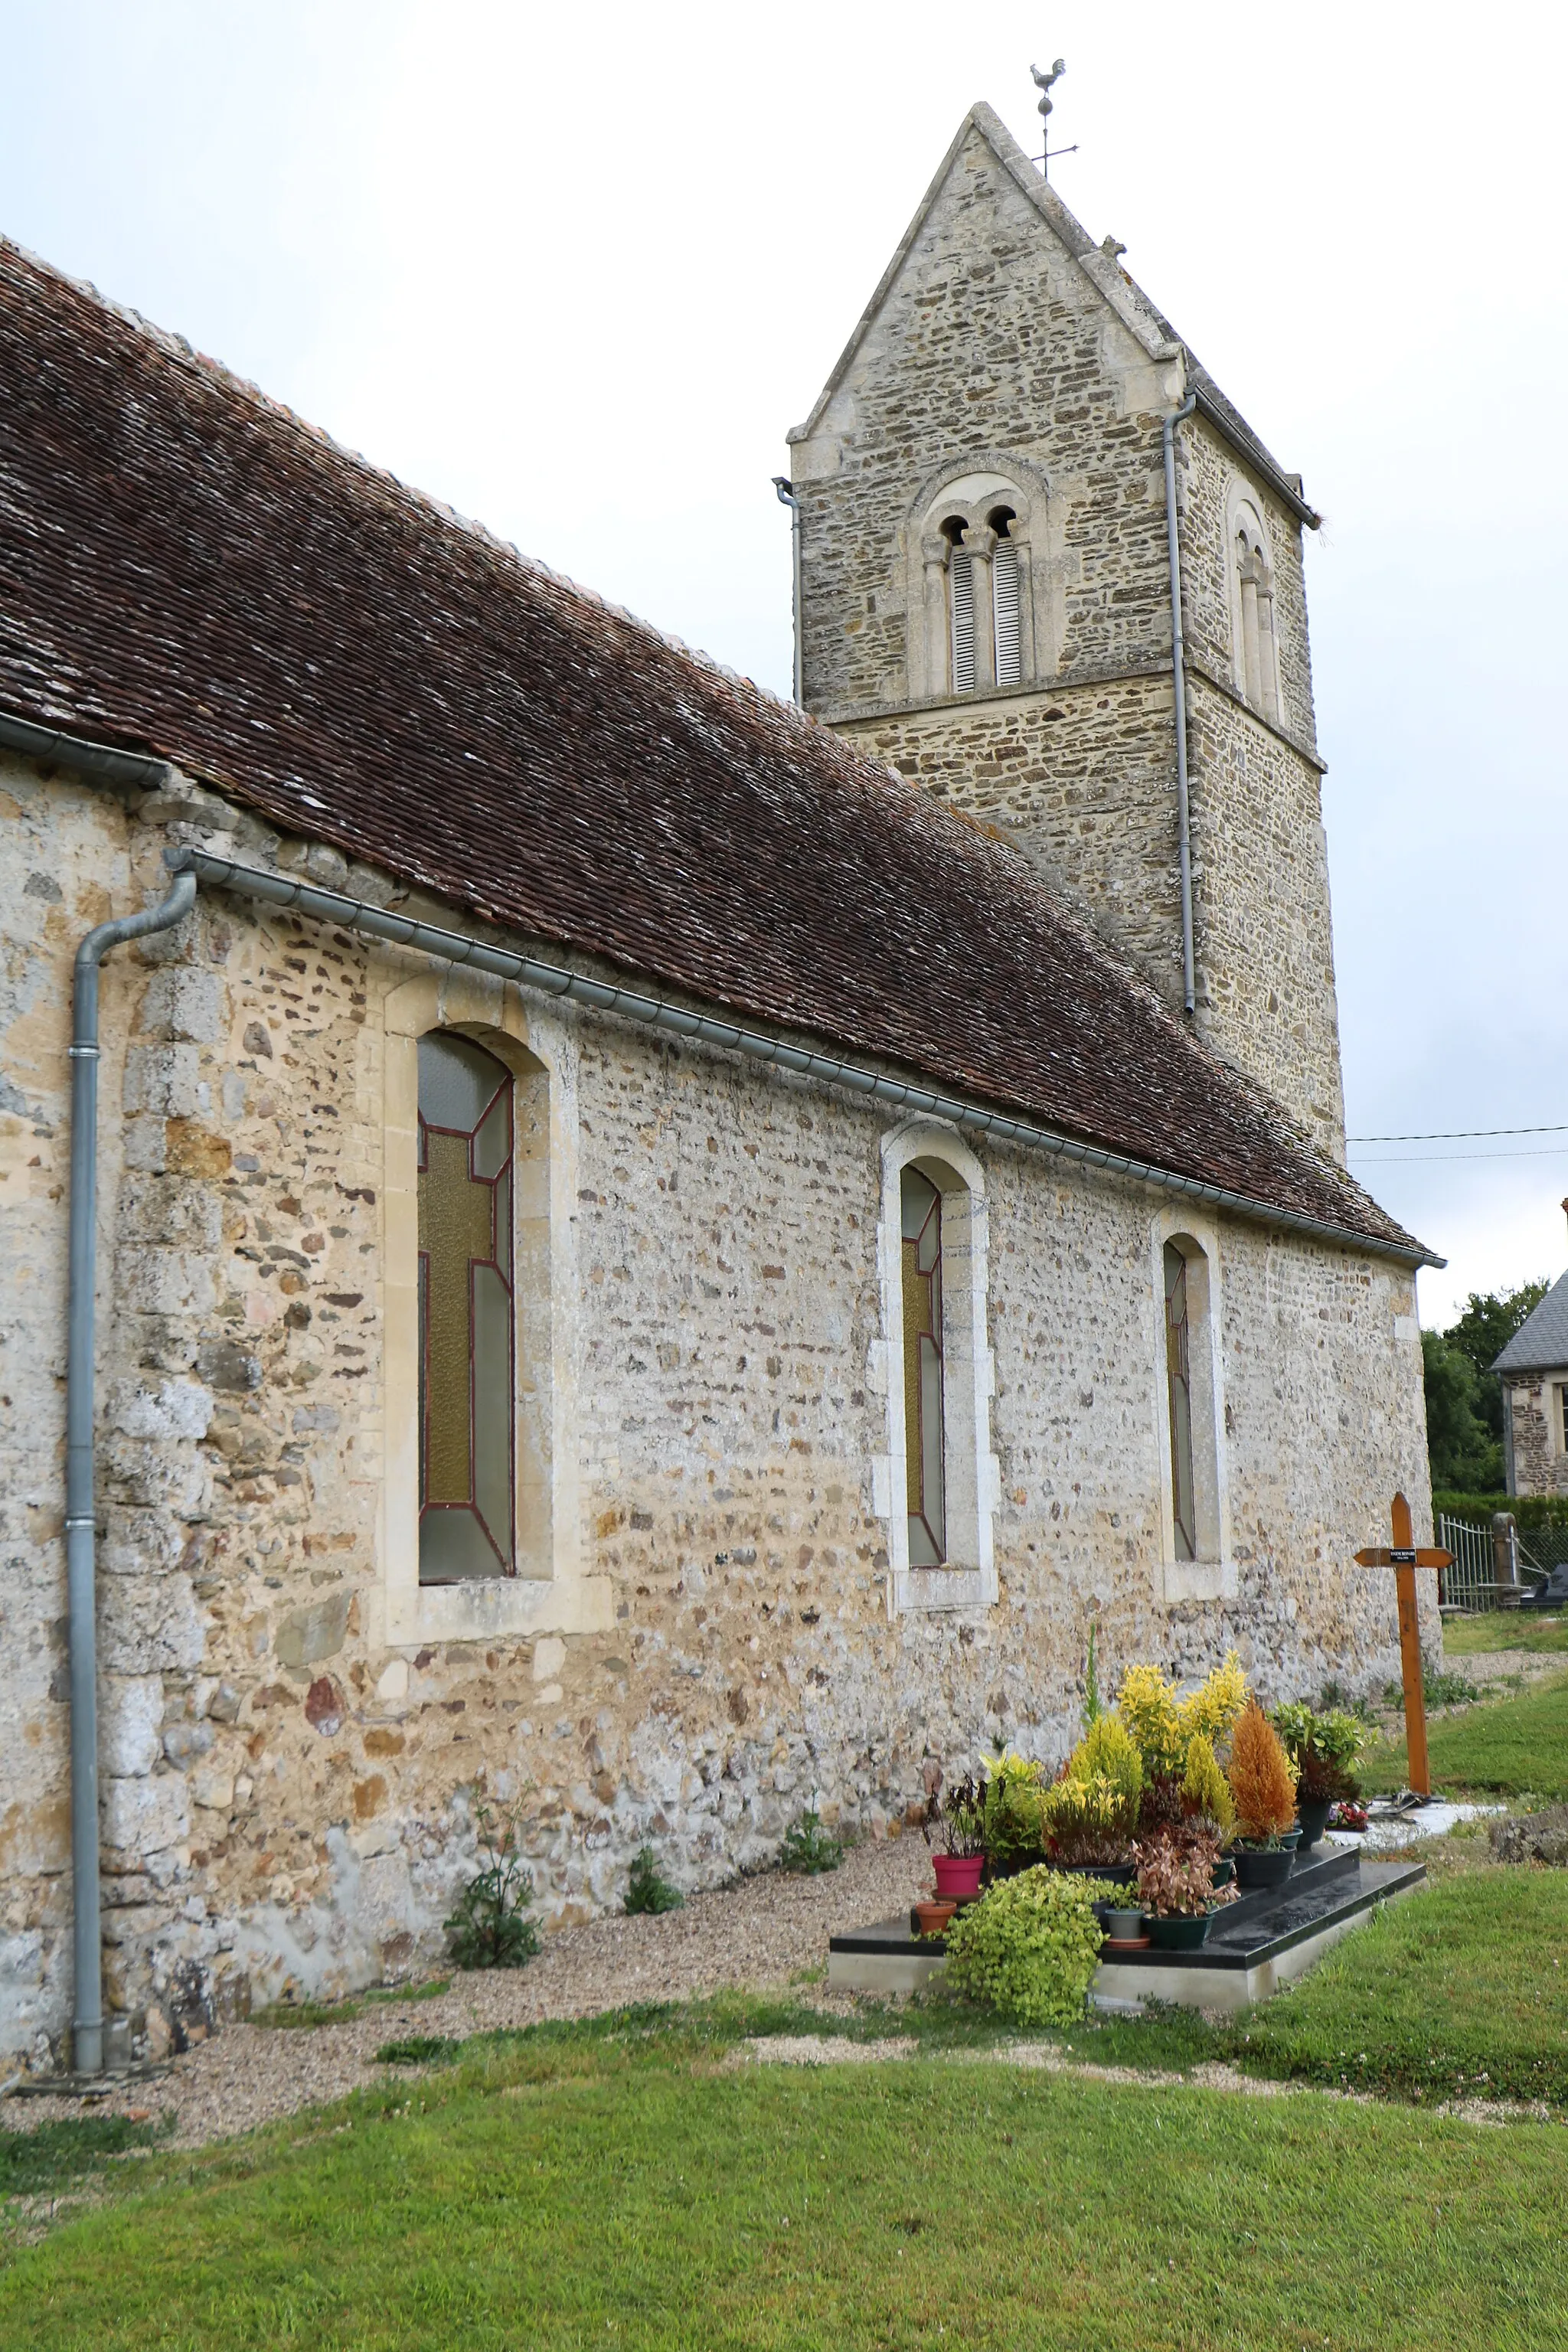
[(656, 1255)]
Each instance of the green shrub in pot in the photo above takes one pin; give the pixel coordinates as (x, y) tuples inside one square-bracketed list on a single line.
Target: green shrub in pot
[(1030, 1947)]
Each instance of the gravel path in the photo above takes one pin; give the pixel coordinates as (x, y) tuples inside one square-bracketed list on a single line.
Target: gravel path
[(756, 1935), (1499, 1665)]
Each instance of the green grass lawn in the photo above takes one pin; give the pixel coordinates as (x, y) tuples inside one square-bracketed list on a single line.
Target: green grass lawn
[(1460, 1990), (574, 2189), (1503, 1629), (1510, 1746)]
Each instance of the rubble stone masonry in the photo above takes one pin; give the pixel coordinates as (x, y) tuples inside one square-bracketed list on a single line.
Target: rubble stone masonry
[(289, 1792), (1535, 1409)]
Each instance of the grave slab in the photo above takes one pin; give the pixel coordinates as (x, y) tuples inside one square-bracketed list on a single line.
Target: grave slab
[(1256, 1944)]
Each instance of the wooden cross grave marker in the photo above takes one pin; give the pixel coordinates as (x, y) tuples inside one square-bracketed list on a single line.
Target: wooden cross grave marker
[(1403, 1558)]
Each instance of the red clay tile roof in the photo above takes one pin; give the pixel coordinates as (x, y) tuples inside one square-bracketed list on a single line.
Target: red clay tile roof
[(187, 567)]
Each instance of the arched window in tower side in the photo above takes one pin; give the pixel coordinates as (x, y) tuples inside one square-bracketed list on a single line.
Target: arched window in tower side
[(1256, 659), (466, 1371)]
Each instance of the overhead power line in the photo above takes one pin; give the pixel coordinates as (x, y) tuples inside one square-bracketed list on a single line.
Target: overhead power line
[(1436, 1158), (1459, 1135)]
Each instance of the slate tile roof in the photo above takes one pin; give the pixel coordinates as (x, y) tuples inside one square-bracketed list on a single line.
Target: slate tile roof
[(1541, 1342), (187, 567)]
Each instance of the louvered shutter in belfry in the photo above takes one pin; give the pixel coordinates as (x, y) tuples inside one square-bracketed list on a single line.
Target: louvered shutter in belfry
[(962, 574), (1004, 579)]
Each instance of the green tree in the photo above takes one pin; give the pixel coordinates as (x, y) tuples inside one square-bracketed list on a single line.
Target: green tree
[(1488, 1322), (1461, 1449)]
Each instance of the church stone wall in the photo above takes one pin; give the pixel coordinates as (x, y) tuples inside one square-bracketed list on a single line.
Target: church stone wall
[(287, 1797), (1082, 781)]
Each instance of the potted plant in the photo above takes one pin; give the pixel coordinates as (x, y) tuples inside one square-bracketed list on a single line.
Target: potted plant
[(1175, 1886), (960, 1821), (1206, 1799), (1263, 1791), (1325, 1750), (1090, 1814), (1014, 1837), (1124, 1925)]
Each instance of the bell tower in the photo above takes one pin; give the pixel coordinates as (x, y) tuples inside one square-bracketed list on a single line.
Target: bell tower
[(985, 603)]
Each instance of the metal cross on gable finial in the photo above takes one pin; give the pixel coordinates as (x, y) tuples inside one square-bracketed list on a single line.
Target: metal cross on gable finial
[(1043, 83)]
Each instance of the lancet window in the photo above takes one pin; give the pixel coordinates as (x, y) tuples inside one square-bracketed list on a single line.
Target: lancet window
[(925, 1419), (466, 1316), (1179, 1396)]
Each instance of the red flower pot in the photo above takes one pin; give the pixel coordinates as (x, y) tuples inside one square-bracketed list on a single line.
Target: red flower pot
[(958, 1876)]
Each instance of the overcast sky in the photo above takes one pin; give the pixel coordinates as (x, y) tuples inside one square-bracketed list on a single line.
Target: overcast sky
[(577, 270)]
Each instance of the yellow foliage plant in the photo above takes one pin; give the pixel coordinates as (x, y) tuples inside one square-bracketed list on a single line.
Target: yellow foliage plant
[(1091, 1820), (1146, 1703), (1262, 1778), (1215, 1704), (1206, 1790), (1107, 1751)]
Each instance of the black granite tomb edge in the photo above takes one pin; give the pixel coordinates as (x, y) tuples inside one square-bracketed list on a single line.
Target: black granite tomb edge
[(1392, 1878)]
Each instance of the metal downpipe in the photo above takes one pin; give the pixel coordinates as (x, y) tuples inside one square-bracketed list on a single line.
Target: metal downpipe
[(81, 1561), (788, 498), (1179, 684)]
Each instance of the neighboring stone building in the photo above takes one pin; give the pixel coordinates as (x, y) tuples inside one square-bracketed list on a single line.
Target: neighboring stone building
[(723, 1345), (987, 604), (1533, 1370)]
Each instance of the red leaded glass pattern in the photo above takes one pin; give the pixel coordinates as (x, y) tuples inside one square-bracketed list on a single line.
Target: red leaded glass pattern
[(467, 1382), (1179, 1382), (925, 1436)]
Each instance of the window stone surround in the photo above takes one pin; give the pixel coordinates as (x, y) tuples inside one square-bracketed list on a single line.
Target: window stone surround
[(968, 1578), (549, 1593)]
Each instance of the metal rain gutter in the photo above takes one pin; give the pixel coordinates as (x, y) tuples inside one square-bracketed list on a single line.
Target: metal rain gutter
[(708, 1029)]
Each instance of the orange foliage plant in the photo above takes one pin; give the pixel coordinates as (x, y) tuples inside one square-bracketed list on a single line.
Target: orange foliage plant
[(1261, 1779)]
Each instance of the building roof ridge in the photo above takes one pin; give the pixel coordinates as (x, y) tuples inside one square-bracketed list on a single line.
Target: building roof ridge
[(179, 349), (1541, 1342)]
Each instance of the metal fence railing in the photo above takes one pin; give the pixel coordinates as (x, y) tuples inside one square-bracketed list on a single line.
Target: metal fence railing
[(1470, 1582), (1544, 1547)]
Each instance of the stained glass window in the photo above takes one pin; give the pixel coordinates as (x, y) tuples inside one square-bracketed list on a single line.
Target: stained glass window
[(1179, 1384), (924, 1423), (466, 1314)]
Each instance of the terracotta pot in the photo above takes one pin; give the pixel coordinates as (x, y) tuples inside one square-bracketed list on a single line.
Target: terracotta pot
[(934, 1918), (958, 1876)]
